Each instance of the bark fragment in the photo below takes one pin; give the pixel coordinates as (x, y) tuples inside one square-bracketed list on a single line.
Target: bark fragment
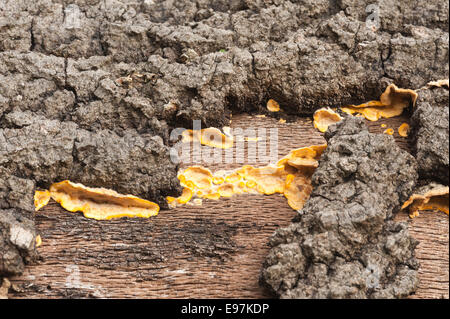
[(343, 243)]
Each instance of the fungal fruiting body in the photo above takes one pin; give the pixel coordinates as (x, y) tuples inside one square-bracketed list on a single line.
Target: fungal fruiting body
[(38, 240), (430, 197), (324, 117), (98, 203), (290, 176), (211, 136), (403, 130), (389, 131), (391, 104), (273, 106), (41, 199)]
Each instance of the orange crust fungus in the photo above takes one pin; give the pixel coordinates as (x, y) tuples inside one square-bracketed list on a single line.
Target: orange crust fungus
[(389, 131), (211, 137), (41, 199), (38, 240), (100, 203), (273, 106), (431, 197), (403, 130), (290, 176), (325, 117), (391, 104)]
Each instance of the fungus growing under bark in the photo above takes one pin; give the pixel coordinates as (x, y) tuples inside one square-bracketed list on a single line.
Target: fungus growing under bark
[(38, 240), (210, 136), (389, 131), (391, 104), (273, 106), (429, 197), (289, 176), (100, 203), (324, 117), (41, 199), (403, 130)]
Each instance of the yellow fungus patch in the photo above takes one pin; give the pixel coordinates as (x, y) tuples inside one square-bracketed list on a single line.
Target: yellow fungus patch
[(304, 157), (282, 121), (100, 203), (199, 177), (269, 179), (290, 176), (212, 195), (38, 240), (184, 198), (233, 178), (41, 199), (297, 190), (273, 106), (218, 180), (226, 190), (403, 130), (389, 131), (211, 136), (391, 104), (325, 117), (434, 197)]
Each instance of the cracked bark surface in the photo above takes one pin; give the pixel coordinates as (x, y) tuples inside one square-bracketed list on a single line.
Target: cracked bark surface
[(429, 126), (344, 243), (94, 86)]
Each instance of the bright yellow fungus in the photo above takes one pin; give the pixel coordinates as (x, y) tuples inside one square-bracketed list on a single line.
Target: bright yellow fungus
[(391, 104), (250, 184), (100, 203), (304, 157), (282, 121), (218, 180), (290, 176), (38, 240), (198, 176), (269, 179), (184, 198), (383, 125), (325, 117), (233, 178), (431, 197), (211, 136), (389, 131), (226, 190), (403, 130), (297, 190), (214, 196), (41, 199), (273, 106)]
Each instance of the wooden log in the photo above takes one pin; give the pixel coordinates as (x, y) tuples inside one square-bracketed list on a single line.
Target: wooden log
[(211, 251)]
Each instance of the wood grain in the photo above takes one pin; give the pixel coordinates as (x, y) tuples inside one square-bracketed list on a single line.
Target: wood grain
[(209, 251)]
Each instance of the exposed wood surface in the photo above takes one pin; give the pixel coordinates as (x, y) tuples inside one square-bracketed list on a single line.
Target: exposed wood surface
[(209, 251)]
